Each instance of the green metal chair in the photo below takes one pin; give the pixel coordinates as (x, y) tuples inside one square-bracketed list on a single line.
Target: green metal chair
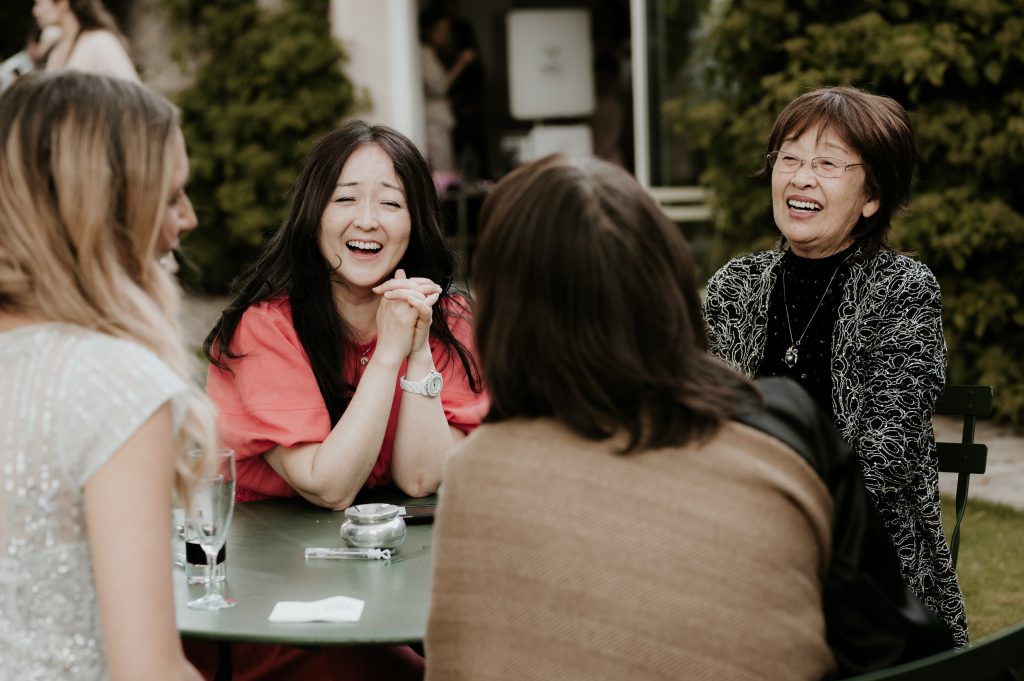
[(965, 457), (999, 657)]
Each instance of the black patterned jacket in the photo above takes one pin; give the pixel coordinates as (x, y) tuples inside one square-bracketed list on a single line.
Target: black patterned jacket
[(888, 369)]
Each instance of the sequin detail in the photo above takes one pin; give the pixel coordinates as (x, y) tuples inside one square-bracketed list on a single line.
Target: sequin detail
[(69, 398)]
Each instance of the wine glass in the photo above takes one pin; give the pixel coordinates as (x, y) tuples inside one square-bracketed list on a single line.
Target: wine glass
[(208, 517)]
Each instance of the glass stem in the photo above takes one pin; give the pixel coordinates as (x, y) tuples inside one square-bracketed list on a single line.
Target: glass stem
[(211, 558)]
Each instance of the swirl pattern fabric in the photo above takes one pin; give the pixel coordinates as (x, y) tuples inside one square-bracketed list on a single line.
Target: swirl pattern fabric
[(888, 369)]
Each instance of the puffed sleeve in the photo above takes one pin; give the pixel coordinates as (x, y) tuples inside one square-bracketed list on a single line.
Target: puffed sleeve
[(906, 371), (267, 397), (463, 408)]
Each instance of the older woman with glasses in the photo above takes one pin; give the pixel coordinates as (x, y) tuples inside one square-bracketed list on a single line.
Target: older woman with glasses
[(858, 324)]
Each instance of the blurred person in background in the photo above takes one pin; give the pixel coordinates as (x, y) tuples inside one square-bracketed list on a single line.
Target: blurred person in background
[(33, 58), (467, 93), (633, 508), (840, 311), (90, 39), (609, 117), (435, 38), (96, 409)]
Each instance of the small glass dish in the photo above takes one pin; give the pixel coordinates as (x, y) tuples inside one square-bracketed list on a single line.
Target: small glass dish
[(373, 526)]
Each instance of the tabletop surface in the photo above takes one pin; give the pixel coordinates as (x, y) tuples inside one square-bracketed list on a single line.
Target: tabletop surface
[(266, 564)]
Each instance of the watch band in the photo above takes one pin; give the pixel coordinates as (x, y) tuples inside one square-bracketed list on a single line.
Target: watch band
[(428, 386)]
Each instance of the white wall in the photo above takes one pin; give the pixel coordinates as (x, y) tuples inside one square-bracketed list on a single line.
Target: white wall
[(149, 31), (381, 41)]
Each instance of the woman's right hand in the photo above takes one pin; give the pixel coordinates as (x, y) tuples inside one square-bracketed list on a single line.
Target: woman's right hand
[(403, 304)]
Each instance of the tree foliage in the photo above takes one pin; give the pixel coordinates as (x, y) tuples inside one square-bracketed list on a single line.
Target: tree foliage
[(958, 68), (267, 84)]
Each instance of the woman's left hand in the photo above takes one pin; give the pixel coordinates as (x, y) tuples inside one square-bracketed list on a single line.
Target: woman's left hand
[(421, 294)]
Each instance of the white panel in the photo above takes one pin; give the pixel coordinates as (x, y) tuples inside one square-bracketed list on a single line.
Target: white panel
[(550, 60), (572, 140)]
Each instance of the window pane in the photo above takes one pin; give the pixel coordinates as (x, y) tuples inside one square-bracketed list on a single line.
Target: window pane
[(671, 27)]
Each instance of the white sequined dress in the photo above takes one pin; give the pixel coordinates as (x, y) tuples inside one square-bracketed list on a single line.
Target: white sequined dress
[(69, 399)]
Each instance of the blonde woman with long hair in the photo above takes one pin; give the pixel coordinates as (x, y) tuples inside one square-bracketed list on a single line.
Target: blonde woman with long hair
[(97, 409)]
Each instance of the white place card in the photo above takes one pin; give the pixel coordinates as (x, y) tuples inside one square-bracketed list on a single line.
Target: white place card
[(333, 609)]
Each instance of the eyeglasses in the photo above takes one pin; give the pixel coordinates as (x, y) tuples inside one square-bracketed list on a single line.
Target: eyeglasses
[(823, 166)]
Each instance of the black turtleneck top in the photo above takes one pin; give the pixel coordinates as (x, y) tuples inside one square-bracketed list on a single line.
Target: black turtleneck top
[(800, 285)]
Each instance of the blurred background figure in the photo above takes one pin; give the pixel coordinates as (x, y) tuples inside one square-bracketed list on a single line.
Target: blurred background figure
[(612, 120), (97, 413), (609, 118), (435, 39), (467, 94), (90, 39), (37, 46)]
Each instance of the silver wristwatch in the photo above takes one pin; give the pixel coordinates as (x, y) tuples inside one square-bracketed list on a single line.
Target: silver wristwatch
[(430, 385)]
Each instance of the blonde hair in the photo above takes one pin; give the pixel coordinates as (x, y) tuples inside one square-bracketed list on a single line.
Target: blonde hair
[(84, 184)]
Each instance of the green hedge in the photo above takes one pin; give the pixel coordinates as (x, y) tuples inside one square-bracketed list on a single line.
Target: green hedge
[(958, 67), (268, 83)]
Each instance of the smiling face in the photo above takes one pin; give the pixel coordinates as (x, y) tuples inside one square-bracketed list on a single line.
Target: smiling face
[(179, 217), (365, 228), (818, 214)]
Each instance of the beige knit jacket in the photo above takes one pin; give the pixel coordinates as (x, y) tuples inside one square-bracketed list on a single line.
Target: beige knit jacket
[(555, 557)]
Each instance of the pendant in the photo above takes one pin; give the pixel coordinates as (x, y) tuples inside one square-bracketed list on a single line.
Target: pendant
[(790, 357)]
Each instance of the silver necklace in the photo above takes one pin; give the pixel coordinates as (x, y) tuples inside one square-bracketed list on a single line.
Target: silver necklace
[(793, 352)]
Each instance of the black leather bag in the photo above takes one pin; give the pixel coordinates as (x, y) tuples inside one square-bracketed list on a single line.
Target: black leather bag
[(873, 619)]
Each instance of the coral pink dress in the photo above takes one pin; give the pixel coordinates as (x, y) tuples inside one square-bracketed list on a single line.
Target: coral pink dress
[(269, 397)]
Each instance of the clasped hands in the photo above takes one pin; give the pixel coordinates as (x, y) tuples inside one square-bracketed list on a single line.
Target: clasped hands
[(404, 316)]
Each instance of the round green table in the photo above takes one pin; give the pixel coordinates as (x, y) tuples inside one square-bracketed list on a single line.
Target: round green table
[(266, 564)]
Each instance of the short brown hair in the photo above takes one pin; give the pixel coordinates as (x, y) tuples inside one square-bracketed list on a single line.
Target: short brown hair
[(878, 129), (588, 309)]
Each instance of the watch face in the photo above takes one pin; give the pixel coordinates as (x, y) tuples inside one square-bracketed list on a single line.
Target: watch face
[(434, 383)]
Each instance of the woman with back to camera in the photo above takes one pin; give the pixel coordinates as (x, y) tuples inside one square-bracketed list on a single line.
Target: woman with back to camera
[(90, 39), (346, 359), (96, 412), (837, 309), (632, 508)]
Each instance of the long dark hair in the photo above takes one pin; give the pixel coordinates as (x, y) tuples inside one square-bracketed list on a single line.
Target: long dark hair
[(588, 312), (291, 264)]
